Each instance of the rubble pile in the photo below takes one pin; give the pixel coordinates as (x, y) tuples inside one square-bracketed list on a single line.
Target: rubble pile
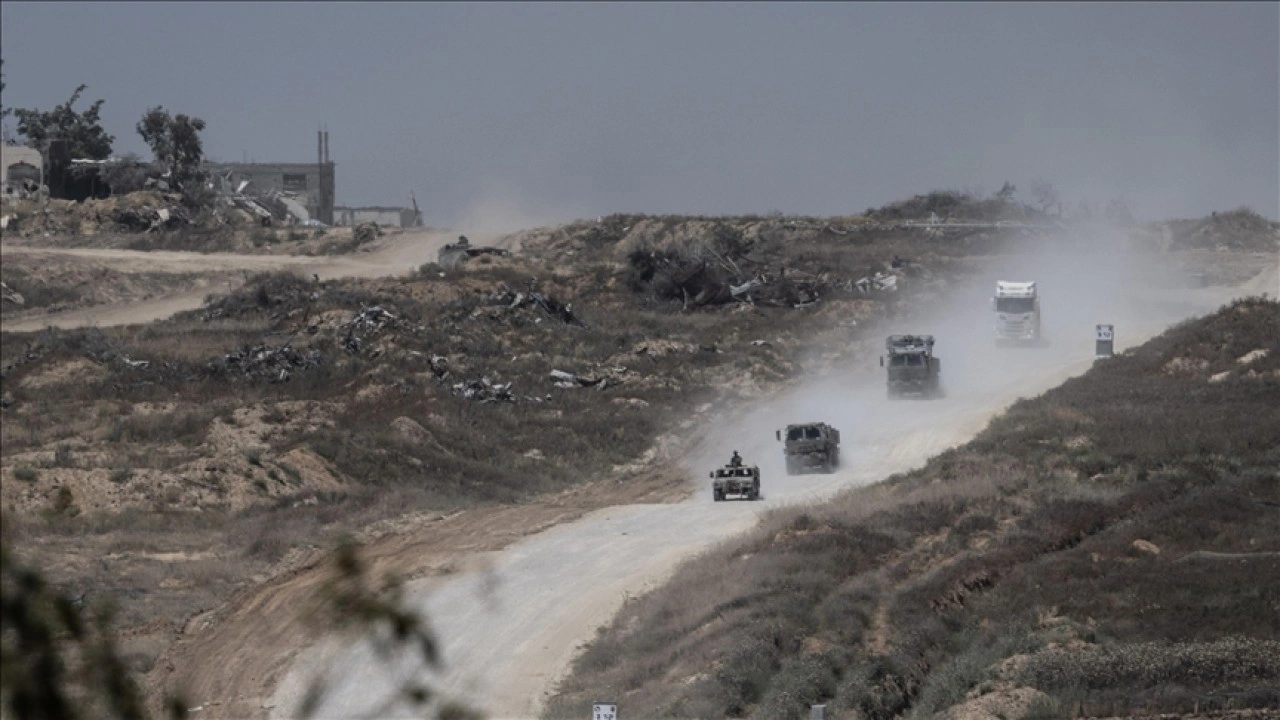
[(699, 282), (265, 207), (142, 211), (147, 219), (158, 206)]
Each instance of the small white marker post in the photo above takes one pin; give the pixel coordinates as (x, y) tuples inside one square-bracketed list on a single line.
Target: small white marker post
[(1104, 347), (604, 711)]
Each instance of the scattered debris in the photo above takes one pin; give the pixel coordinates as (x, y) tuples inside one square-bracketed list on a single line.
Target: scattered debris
[(135, 364), (512, 300), (367, 322), (484, 391), (561, 311), (1251, 356), (1145, 546), (439, 366), (746, 287), (272, 364), (9, 295), (714, 279), (611, 377), (880, 281)]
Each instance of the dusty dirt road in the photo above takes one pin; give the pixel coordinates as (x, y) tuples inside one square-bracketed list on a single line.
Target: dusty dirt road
[(394, 255), (509, 629)]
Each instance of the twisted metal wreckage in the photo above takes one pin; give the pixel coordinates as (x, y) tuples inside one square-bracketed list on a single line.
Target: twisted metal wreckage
[(713, 279)]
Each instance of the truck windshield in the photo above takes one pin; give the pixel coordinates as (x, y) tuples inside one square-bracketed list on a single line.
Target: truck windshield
[(795, 434), (1015, 305), (906, 360)]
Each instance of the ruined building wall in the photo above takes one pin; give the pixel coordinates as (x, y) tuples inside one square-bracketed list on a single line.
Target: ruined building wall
[(312, 181)]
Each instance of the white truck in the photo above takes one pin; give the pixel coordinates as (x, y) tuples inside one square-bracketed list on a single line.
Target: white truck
[(1017, 308)]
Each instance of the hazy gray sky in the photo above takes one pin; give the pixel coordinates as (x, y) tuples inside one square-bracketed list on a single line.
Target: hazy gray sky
[(514, 114)]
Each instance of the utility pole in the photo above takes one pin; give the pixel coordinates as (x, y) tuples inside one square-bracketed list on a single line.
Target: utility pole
[(417, 214)]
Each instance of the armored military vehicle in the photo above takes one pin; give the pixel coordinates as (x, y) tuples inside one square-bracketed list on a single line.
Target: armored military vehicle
[(810, 447), (453, 253), (912, 367), (740, 480)]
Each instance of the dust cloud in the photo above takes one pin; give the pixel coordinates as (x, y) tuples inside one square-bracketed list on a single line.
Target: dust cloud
[(1085, 276), (500, 208)]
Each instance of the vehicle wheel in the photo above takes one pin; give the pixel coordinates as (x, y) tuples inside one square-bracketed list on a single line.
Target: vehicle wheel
[(755, 494), (717, 495)]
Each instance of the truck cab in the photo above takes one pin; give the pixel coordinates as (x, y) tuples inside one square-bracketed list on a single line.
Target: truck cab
[(1017, 311)]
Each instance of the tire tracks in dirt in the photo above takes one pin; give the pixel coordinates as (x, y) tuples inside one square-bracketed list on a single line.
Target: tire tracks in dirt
[(398, 254)]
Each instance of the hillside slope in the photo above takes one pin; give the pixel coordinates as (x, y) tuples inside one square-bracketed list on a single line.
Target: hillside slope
[(182, 464), (1109, 547)]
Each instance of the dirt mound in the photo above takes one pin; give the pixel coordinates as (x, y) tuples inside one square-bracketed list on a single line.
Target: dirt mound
[(155, 220), (142, 211), (1239, 229)]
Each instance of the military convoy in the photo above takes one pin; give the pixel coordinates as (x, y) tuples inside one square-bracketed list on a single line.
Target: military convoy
[(912, 367), (810, 447), (911, 370)]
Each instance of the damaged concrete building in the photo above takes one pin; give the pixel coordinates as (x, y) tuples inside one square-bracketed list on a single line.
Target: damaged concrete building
[(311, 183), (385, 216), (19, 164)]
